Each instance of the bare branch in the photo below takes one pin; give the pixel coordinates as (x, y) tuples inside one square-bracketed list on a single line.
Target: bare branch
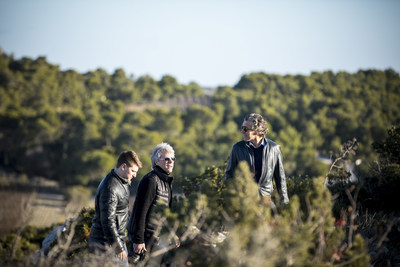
[(347, 148), (383, 237), (353, 215)]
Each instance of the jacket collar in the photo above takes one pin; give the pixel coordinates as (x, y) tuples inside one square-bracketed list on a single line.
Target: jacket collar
[(123, 180), (263, 143), (162, 174), (250, 144)]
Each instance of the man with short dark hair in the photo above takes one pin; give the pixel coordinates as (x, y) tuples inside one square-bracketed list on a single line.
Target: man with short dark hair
[(263, 156), (112, 208)]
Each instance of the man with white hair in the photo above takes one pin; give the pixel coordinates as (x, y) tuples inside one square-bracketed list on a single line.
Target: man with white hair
[(155, 188)]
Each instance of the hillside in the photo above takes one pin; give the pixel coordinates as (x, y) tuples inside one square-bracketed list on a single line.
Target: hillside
[(69, 127)]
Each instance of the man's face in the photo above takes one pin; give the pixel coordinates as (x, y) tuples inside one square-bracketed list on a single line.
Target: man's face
[(129, 172), (248, 134), (166, 162)]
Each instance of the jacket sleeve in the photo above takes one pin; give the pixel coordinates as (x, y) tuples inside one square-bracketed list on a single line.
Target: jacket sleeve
[(109, 202), (146, 193), (280, 178), (232, 163)]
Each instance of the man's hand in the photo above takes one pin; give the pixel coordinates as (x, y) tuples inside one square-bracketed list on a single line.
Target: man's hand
[(177, 242), (122, 255), (138, 248)]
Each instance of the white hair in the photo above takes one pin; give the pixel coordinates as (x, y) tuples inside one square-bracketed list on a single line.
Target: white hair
[(157, 151)]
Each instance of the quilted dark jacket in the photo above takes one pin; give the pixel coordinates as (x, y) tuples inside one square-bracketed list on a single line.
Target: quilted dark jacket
[(272, 167), (155, 188), (111, 212)]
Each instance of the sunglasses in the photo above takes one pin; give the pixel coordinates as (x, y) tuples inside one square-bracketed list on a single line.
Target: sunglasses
[(244, 129), (172, 159)]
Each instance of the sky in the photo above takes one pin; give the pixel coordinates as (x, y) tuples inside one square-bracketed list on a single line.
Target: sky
[(212, 43)]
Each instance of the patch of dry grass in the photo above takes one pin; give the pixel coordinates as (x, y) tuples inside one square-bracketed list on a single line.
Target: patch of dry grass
[(15, 210)]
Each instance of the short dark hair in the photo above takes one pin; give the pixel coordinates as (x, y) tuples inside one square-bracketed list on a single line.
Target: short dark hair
[(258, 124), (130, 158)]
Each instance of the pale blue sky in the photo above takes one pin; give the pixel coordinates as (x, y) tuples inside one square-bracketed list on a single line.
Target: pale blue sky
[(212, 43)]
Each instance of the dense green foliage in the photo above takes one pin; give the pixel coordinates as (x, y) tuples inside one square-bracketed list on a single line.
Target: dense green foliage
[(69, 127)]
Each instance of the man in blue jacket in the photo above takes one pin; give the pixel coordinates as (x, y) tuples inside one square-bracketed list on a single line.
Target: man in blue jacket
[(263, 156)]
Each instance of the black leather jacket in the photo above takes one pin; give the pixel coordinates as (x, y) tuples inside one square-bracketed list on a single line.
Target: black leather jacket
[(111, 212), (272, 167), (155, 188)]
